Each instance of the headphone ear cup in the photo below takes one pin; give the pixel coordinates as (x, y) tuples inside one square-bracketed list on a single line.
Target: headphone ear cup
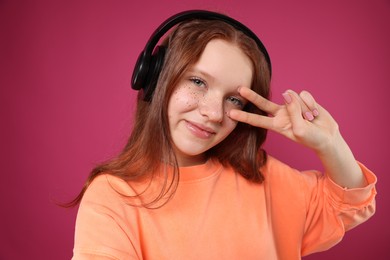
[(154, 70), (140, 71)]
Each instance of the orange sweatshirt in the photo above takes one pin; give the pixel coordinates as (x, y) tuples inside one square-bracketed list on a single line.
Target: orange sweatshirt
[(217, 214)]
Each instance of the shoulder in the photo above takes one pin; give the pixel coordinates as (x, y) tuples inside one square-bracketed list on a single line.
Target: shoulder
[(280, 174), (107, 189), (274, 164), (275, 169), (102, 224)]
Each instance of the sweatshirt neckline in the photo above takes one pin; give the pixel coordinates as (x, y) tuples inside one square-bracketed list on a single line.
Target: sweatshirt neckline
[(199, 172)]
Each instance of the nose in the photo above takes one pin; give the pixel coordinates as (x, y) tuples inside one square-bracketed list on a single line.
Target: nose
[(211, 106)]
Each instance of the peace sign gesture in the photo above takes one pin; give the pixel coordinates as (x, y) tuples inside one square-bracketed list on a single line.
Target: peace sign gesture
[(304, 121), (301, 119)]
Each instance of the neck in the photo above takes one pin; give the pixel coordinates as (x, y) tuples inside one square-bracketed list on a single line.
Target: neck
[(185, 161)]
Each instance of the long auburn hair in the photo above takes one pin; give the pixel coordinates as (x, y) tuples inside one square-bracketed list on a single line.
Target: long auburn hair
[(150, 142)]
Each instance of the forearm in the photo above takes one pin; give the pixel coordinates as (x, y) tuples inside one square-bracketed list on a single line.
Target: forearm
[(340, 164)]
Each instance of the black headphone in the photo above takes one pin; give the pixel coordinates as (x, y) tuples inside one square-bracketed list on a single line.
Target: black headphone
[(151, 59)]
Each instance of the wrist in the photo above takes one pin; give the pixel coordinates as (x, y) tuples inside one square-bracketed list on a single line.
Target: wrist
[(332, 146)]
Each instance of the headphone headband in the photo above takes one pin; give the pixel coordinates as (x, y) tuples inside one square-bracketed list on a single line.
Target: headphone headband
[(149, 64)]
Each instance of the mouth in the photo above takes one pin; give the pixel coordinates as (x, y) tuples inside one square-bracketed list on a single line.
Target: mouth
[(199, 130)]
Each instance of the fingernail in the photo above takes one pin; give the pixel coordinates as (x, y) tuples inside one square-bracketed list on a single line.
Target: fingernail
[(287, 97), (309, 116), (315, 112)]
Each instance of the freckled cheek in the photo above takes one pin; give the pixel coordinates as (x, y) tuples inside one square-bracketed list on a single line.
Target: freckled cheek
[(227, 109), (185, 97), (228, 121)]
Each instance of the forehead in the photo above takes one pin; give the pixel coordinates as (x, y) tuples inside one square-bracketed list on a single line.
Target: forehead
[(226, 62)]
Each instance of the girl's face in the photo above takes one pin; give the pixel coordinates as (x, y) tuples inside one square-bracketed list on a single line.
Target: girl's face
[(199, 106)]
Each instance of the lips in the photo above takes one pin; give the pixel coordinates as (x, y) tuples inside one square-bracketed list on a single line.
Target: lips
[(199, 130)]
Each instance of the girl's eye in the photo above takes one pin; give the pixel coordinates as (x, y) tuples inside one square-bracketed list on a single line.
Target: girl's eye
[(236, 101), (198, 82)]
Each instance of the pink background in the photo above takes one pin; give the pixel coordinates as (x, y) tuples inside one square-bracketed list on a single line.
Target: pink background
[(66, 102)]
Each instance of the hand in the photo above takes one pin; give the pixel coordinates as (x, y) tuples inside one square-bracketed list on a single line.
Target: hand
[(303, 120), (300, 119)]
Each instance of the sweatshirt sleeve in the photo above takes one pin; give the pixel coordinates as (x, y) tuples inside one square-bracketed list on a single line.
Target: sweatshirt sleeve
[(100, 233), (332, 209)]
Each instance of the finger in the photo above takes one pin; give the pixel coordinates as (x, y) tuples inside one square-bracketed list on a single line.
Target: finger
[(306, 112), (259, 101), (251, 119), (310, 102), (294, 109)]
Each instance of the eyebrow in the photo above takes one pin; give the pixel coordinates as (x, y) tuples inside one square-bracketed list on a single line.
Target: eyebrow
[(201, 72)]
